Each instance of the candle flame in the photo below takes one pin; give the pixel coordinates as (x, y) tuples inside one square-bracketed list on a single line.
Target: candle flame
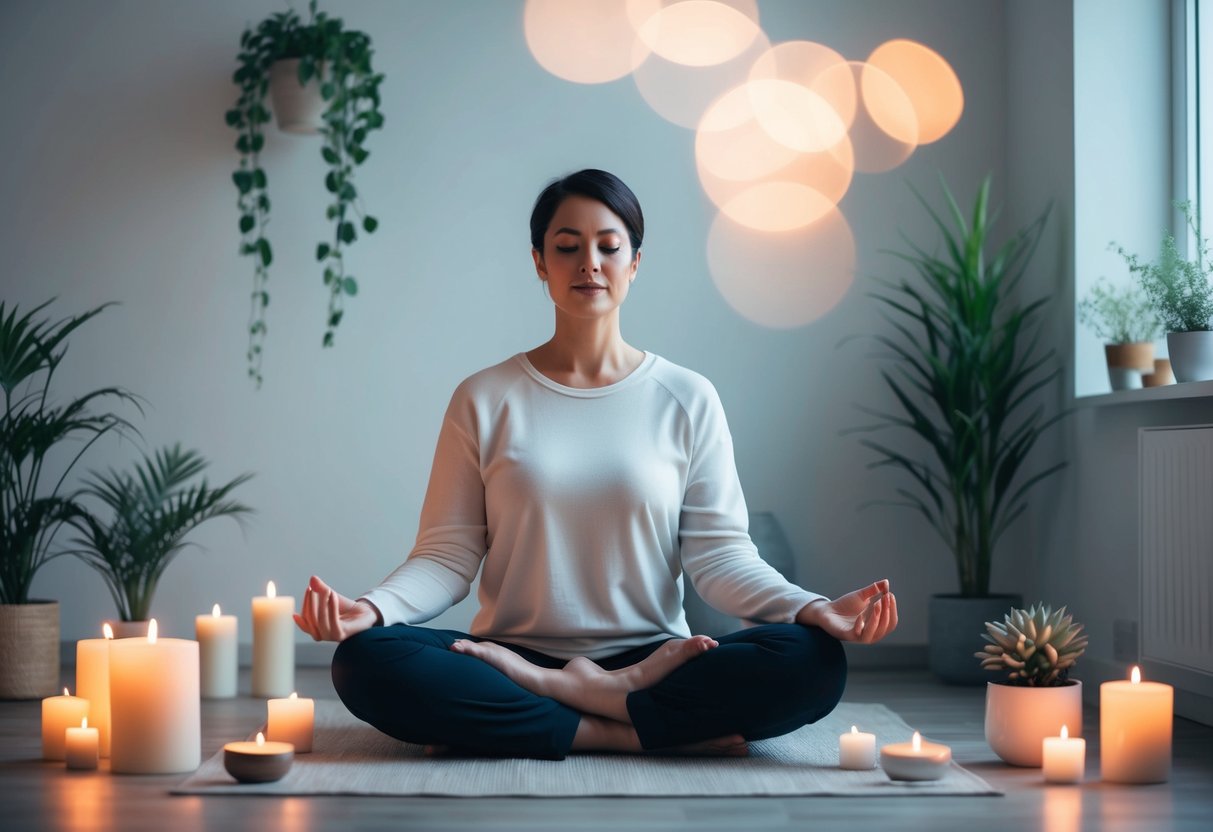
[(65, 693), (215, 611), (271, 591), (107, 630), (1135, 677), (152, 630), (854, 730), (1065, 731), (294, 695), (84, 722), (260, 738), (917, 742)]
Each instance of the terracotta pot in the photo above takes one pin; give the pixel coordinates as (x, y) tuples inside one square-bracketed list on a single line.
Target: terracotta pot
[(29, 650), (1161, 376), (1127, 363), (1019, 718), (297, 109)]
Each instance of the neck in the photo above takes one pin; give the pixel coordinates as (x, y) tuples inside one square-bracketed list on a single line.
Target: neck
[(590, 350)]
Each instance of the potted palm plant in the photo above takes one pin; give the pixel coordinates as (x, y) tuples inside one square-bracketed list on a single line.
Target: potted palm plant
[(34, 432), (1036, 648), (150, 513), (1125, 319), (325, 71), (1180, 291), (965, 367)]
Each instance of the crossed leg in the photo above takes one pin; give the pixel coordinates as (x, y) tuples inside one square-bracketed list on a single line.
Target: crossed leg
[(599, 695)]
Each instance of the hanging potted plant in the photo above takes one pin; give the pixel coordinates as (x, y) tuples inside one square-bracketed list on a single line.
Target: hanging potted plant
[(1126, 321), (317, 61), (1180, 291), (33, 505), (966, 368), (150, 513), (1036, 649)]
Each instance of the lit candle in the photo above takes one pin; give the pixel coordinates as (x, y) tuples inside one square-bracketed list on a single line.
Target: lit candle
[(915, 760), (1135, 730), (258, 762), (81, 746), (93, 683), (216, 636), (58, 714), (155, 708), (290, 720), (273, 644), (857, 750), (1064, 757)]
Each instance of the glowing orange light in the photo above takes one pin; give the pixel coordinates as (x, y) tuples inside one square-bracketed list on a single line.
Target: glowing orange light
[(875, 149), (1135, 676), (107, 630), (929, 83), (586, 41), (152, 630), (698, 32), (806, 63)]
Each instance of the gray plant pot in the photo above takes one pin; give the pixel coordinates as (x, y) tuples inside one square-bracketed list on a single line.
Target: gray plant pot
[(955, 625)]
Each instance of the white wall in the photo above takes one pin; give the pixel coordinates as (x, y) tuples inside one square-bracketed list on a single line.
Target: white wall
[(117, 186)]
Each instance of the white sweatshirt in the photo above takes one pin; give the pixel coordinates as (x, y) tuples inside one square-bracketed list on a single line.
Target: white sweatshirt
[(584, 508)]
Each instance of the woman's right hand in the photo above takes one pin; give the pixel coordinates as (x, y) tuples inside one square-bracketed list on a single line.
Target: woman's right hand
[(327, 615)]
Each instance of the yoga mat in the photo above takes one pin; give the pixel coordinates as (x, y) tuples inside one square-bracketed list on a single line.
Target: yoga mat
[(351, 757)]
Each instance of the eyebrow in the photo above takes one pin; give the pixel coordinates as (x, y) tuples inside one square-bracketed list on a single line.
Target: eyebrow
[(575, 232)]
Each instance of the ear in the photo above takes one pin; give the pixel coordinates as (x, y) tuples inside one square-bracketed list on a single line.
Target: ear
[(540, 268), (635, 266)]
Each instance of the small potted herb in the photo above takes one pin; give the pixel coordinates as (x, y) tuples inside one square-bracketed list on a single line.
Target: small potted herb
[(1124, 318)]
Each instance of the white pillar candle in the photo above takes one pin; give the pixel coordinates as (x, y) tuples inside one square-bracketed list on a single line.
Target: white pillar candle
[(82, 745), (1063, 758), (273, 644), (155, 709), (291, 720), (93, 683), (216, 636), (58, 714), (857, 750), (1135, 731)]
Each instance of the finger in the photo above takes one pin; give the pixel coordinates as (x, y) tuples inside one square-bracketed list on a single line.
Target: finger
[(302, 623), (334, 612), (872, 628), (313, 611), (892, 612), (882, 621), (327, 618), (317, 585)]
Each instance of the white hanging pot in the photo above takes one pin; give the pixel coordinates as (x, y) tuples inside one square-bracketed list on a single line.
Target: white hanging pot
[(297, 109), (1191, 355)]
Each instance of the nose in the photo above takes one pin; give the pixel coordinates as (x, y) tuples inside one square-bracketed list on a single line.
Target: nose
[(590, 264)]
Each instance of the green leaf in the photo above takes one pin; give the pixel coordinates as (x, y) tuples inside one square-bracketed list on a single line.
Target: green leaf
[(258, 142), (243, 180), (348, 194), (233, 118), (328, 339), (259, 180), (322, 251), (346, 232), (327, 90), (330, 182), (242, 143), (328, 276), (330, 155), (335, 318), (369, 224), (247, 222), (350, 286), (267, 256)]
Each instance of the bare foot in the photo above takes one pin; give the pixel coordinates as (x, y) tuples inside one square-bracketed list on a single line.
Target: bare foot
[(583, 685)]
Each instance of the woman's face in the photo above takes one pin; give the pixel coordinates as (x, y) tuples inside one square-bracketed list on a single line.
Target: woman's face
[(587, 259)]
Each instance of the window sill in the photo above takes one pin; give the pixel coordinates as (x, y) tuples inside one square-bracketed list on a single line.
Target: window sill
[(1169, 392)]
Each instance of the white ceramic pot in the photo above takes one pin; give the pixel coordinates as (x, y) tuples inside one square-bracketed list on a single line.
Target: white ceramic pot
[(1019, 718), (297, 109), (1191, 355)]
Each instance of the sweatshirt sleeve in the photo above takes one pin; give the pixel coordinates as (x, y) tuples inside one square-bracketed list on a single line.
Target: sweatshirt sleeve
[(717, 553), (452, 534)]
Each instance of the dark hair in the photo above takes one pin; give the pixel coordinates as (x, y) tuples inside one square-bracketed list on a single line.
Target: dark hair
[(594, 184)]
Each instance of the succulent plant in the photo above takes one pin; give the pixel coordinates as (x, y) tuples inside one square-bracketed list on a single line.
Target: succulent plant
[(1037, 646)]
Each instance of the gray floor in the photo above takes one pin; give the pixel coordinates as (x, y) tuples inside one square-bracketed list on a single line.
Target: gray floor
[(37, 795)]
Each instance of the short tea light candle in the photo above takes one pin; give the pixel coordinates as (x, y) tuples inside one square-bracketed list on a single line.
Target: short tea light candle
[(155, 705), (216, 634), (1063, 758), (58, 714), (258, 762), (1135, 730), (93, 682), (82, 746), (915, 760), (273, 643), (857, 750), (291, 720)]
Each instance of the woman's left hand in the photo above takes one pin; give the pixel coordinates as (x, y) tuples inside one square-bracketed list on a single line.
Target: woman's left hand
[(866, 615)]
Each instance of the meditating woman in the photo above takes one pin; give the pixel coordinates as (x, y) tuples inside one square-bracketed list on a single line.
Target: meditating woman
[(585, 480)]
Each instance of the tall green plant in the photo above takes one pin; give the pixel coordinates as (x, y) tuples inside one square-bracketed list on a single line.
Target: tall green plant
[(151, 512), (33, 506), (1178, 287), (966, 365), (341, 61)]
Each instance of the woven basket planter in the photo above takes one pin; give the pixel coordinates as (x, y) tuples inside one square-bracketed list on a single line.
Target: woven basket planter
[(29, 650)]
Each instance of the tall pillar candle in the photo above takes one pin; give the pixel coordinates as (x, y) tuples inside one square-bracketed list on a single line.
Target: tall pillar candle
[(273, 644), (216, 636), (155, 707), (1135, 731), (93, 683), (58, 714)]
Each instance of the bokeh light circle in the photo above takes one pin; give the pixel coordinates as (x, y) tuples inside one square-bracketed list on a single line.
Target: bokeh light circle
[(881, 107), (586, 41), (929, 82), (697, 32)]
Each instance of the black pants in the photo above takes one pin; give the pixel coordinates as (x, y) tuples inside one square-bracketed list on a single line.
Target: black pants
[(760, 682)]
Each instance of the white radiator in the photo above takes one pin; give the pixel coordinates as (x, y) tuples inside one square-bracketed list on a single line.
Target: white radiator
[(1176, 482)]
